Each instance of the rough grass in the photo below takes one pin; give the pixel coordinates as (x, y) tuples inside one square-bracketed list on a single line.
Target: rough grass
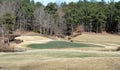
[(12, 60), (46, 54), (73, 64), (98, 38), (65, 59), (7, 49), (61, 44)]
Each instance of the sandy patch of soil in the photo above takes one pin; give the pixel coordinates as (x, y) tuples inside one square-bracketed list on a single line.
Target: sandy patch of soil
[(32, 40)]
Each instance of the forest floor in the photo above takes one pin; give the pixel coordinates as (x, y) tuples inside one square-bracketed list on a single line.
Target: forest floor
[(65, 59)]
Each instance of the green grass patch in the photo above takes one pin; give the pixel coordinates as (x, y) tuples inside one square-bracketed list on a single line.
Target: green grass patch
[(38, 55), (60, 45)]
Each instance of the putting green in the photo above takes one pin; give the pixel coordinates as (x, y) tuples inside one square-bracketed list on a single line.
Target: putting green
[(61, 44)]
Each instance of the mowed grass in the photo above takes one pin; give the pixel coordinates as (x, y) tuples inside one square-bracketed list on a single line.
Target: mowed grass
[(61, 45), (98, 38), (18, 59), (34, 55)]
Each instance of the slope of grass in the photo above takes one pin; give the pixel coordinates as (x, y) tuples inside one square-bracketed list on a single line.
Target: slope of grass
[(19, 59), (61, 44), (98, 38), (34, 55)]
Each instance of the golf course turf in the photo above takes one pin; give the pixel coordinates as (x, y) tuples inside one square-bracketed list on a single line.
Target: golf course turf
[(60, 45)]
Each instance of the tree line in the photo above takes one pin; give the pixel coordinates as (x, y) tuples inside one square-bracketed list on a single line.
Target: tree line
[(63, 19)]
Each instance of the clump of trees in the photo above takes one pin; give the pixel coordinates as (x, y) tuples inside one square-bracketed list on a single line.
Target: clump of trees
[(63, 19), (94, 16)]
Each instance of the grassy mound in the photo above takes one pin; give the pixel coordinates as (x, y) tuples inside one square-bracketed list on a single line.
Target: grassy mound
[(61, 44)]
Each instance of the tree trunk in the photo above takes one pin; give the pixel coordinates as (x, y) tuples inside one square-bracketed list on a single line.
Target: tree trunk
[(119, 28)]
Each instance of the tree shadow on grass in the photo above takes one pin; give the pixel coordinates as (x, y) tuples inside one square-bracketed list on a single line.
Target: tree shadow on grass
[(1, 67)]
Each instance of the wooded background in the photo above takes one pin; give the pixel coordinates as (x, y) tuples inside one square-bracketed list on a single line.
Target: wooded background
[(63, 19)]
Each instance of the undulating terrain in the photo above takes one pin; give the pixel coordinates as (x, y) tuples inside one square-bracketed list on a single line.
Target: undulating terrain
[(85, 52), (61, 35)]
